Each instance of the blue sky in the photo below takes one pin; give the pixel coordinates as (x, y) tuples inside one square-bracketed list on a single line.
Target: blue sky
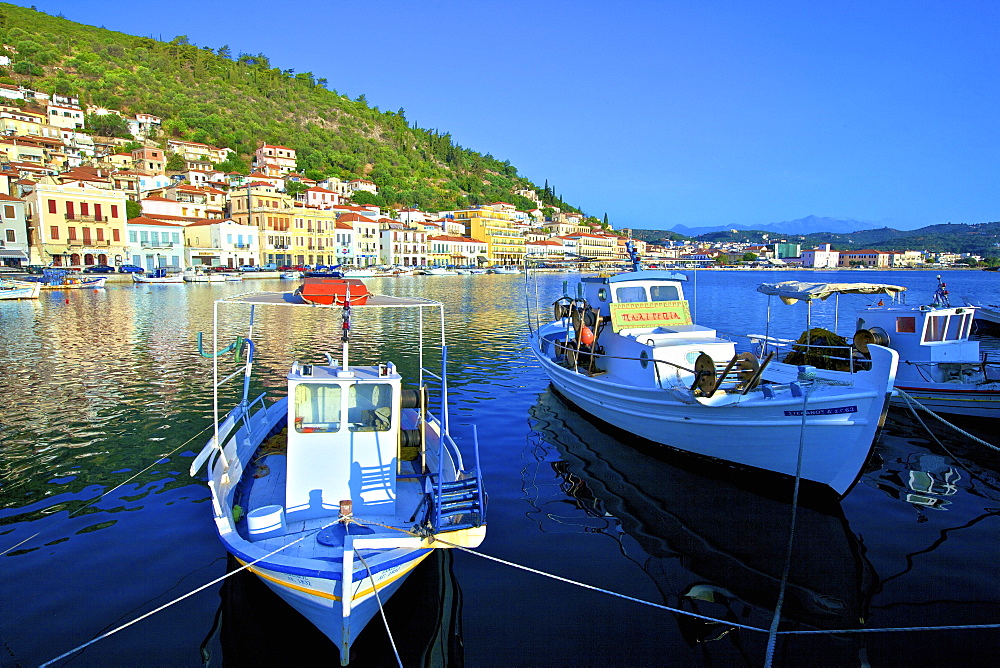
[(661, 113)]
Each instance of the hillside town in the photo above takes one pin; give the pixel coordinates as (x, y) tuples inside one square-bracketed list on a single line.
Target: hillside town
[(71, 199)]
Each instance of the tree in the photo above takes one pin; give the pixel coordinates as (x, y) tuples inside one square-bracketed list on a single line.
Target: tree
[(293, 188), (225, 52), (722, 259), (132, 209), (175, 163), (749, 257), (107, 125)]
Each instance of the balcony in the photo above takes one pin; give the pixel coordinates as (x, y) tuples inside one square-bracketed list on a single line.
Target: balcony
[(242, 245), (78, 218), (163, 244), (92, 243)]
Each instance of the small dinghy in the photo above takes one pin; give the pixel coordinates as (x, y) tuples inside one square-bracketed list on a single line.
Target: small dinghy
[(335, 492)]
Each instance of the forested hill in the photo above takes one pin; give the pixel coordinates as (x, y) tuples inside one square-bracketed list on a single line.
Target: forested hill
[(980, 238), (213, 96)]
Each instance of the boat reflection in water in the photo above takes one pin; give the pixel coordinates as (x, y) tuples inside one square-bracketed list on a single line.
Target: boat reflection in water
[(255, 627), (713, 546)]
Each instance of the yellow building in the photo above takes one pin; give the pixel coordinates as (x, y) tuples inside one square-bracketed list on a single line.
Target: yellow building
[(504, 242), (271, 212), (71, 226), (314, 237)]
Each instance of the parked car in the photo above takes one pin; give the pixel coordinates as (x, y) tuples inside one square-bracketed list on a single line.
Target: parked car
[(270, 266), (248, 267), (99, 269), (130, 269)]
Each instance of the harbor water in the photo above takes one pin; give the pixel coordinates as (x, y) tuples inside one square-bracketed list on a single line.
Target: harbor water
[(99, 525)]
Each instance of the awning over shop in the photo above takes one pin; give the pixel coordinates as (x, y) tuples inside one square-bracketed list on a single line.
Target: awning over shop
[(9, 254)]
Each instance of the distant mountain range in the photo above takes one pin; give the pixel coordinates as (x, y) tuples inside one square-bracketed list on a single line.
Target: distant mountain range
[(806, 225), (980, 238)]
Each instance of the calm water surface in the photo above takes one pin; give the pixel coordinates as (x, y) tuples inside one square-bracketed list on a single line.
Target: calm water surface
[(98, 386)]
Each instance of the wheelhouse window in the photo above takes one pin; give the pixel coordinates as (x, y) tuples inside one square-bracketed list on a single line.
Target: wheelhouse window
[(369, 406), (663, 293), (317, 408), (906, 324), (628, 295), (935, 328)]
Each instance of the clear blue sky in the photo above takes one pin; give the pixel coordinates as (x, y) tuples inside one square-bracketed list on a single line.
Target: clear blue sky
[(659, 113)]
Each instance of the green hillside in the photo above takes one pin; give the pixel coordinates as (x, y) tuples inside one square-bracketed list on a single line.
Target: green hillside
[(239, 100)]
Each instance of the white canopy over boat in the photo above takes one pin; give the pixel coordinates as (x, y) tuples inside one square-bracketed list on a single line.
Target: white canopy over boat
[(793, 291)]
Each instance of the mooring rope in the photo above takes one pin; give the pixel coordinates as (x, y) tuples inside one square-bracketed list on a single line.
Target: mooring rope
[(910, 398), (104, 494), (772, 635), (187, 595), (378, 598)]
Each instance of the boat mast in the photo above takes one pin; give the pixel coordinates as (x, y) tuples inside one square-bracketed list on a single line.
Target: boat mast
[(345, 336)]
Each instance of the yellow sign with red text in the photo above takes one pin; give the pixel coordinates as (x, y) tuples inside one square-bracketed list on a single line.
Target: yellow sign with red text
[(641, 315)]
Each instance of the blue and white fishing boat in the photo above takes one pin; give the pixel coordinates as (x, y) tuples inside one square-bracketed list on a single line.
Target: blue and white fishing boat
[(626, 351), (940, 366), (19, 289), (334, 493)]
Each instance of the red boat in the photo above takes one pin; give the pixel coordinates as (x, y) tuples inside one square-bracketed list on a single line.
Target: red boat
[(333, 291)]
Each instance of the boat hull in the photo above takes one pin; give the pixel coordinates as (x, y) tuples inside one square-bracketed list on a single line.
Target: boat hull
[(837, 435), (966, 400)]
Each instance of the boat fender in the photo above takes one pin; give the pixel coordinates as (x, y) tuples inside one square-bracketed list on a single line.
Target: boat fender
[(866, 337), (586, 336)]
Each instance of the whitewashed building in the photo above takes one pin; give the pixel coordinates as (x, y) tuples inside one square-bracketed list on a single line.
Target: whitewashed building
[(222, 243), (155, 243)]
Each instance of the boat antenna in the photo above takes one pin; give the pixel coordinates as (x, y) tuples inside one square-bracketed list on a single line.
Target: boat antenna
[(941, 294), (633, 255)]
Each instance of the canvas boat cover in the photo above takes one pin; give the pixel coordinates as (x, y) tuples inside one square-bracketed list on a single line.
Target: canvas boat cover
[(793, 291)]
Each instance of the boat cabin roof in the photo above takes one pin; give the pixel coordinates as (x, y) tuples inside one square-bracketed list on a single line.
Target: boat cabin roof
[(645, 275), (292, 299), (793, 291)]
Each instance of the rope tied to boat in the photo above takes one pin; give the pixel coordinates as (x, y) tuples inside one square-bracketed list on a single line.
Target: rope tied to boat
[(911, 401)]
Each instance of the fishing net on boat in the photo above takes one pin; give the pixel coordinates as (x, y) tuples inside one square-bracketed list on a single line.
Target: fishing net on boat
[(822, 349)]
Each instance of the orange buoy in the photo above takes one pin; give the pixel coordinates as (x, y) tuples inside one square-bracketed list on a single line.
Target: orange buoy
[(586, 336)]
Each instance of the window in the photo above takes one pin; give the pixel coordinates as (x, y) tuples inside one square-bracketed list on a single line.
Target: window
[(86, 235), (663, 293), (907, 324), (229, 238), (114, 210), (175, 237), (154, 238), (54, 232), (70, 215), (84, 209), (116, 235), (133, 236), (10, 235), (317, 408), (144, 236), (935, 328), (369, 407), (8, 211), (97, 211), (631, 294), (71, 233), (100, 234)]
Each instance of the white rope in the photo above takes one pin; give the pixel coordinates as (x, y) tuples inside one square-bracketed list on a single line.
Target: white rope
[(772, 636), (380, 609), (93, 501), (184, 596), (910, 398)]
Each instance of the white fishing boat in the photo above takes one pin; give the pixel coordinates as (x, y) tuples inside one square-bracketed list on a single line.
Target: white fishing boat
[(504, 270), (291, 274), (441, 271), (359, 273), (19, 289), (940, 367), (335, 492), (626, 351), (160, 275), (202, 275), (987, 317)]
